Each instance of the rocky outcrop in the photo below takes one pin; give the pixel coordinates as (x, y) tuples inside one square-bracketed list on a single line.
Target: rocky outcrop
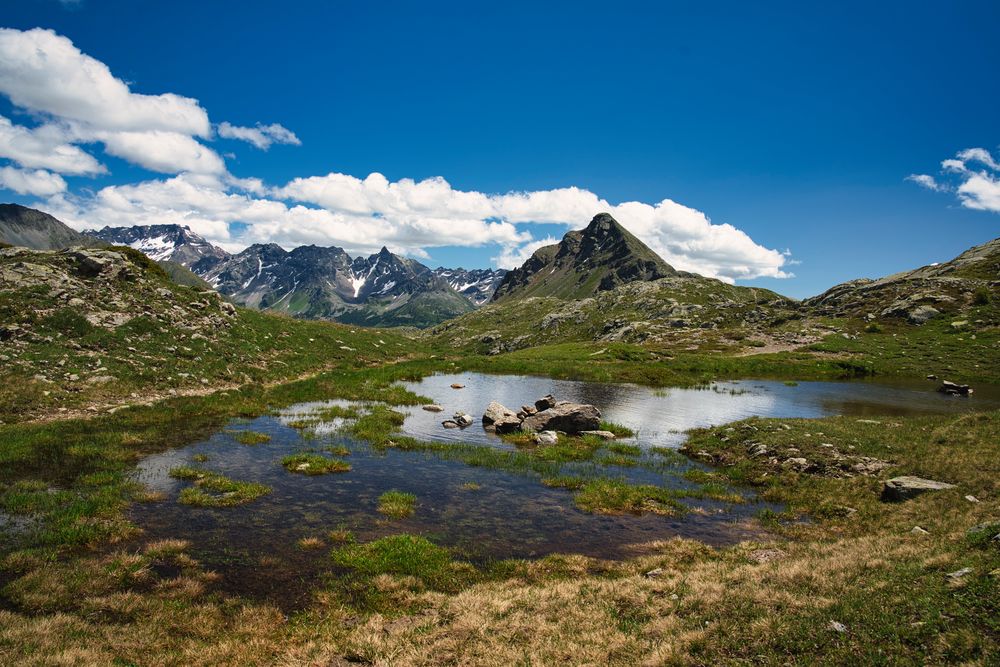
[(903, 488), (501, 418), (572, 418)]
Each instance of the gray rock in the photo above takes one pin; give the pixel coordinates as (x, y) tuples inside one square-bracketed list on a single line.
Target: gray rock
[(545, 403), (921, 314), (433, 408), (605, 435), (958, 575), (545, 438), (568, 417), (903, 488), (449, 423), (954, 389), (462, 420)]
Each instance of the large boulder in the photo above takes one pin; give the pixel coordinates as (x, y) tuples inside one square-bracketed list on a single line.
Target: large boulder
[(564, 416), (898, 489), (501, 418)]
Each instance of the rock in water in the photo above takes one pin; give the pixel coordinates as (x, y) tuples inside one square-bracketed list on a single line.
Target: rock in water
[(544, 403), (433, 408), (954, 388), (567, 417), (462, 420), (903, 488), (501, 418)]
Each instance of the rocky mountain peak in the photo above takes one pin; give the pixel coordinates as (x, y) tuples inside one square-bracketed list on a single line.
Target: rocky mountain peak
[(600, 257)]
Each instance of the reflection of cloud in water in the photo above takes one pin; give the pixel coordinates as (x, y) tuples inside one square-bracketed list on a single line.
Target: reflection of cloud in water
[(660, 416)]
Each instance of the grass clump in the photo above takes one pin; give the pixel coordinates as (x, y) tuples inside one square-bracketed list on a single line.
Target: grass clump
[(251, 438), (214, 490), (397, 504), (619, 430), (313, 464), (624, 450), (564, 482), (614, 496), (338, 450)]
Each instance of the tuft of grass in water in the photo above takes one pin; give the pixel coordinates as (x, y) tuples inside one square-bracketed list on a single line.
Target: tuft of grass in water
[(338, 450), (214, 490), (619, 430), (302, 424), (613, 496), (336, 412), (309, 543), (564, 482), (470, 486), (791, 383), (200, 458), (624, 450), (341, 536), (397, 504), (313, 464), (251, 437)]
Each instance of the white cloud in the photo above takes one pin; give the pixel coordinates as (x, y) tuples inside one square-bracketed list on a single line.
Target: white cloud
[(43, 71), (261, 136), (44, 147), (79, 101), (511, 257), (684, 236), (979, 155), (982, 192), (976, 188), (927, 181), (39, 182), (165, 152)]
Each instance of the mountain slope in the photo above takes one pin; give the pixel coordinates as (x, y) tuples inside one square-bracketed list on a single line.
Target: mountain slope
[(173, 243), (596, 259), (477, 285), (29, 228), (918, 295), (326, 283)]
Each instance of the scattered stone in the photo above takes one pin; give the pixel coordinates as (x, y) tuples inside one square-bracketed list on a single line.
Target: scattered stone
[(545, 403), (545, 438), (449, 423), (932, 377), (954, 389), (836, 626), (917, 530), (604, 435), (433, 408), (958, 575), (972, 499), (757, 449), (501, 418), (797, 463), (462, 419), (868, 421), (652, 574), (921, 314), (898, 489), (457, 386)]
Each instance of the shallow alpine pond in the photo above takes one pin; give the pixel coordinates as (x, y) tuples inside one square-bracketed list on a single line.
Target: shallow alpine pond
[(262, 501)]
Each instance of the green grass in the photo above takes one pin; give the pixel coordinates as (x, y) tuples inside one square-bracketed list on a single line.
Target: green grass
[(215, 490), (613, 496), (618, 430), (624, 449), (251, 437), (397, 504), (313, 464)]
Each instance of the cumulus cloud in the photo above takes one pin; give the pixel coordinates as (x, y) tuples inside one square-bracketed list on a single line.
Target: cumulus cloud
[(44, 147), (683, 236), (45, 72), (261, 136), (973, 175), (511, 257), (37, 182), (77, 101)]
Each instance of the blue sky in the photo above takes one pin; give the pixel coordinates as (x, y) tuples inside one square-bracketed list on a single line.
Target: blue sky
[(798, 124)]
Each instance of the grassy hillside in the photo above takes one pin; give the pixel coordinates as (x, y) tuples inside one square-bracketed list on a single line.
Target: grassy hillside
[(94, 328)]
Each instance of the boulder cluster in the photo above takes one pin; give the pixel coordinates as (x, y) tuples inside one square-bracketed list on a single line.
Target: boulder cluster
[(546, 417)]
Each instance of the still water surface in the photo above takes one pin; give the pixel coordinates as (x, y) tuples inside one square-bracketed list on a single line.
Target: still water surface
[(505, 515)]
